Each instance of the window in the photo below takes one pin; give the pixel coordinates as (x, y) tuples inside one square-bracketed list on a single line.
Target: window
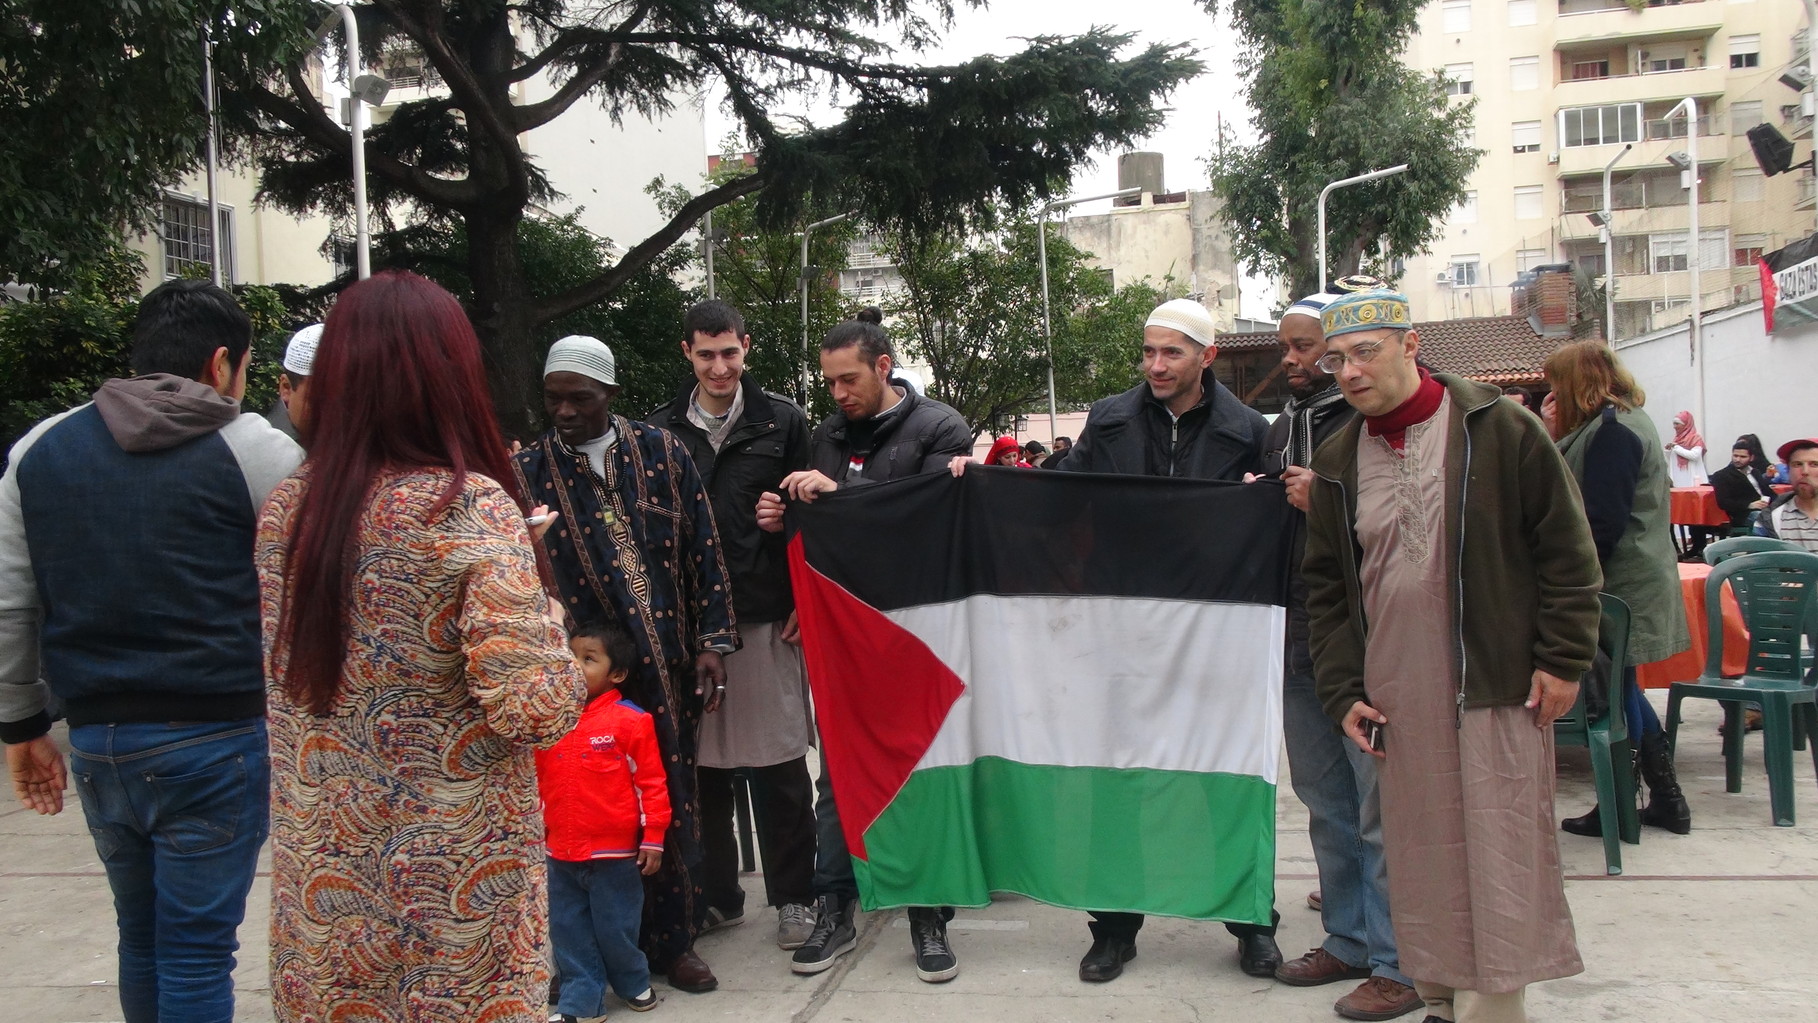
[(1528, 259), (1746, 185), (1589, 69), (1667, 252), (1527, 202), (1600, 126), (1745, 51), (188, 243), (1466, 212), (1521, 12), (1457, 16), (1591, 262), (1526, 135), (1666, 64), (1744, 115), (342, 251), (1524, 73), (1464, 270), (1749, 248), (1458, 79)]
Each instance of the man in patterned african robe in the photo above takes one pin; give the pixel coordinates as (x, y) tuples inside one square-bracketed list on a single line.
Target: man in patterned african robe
[(635, 543)]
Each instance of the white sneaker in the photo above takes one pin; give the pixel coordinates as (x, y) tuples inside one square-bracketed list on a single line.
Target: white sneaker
[(794, 923)]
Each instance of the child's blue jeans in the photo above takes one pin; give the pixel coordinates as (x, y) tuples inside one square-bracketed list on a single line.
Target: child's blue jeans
[(595, 908)]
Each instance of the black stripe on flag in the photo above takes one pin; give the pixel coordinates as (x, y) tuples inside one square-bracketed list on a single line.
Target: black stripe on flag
[(931, 539)]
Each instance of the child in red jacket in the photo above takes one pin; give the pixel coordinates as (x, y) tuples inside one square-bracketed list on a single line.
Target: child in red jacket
[(606, 808)]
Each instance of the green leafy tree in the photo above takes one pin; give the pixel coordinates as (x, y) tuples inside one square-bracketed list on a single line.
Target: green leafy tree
[(758, 270), (57, 349), (640, 322), (919, 147), (101, 108), (1332, 100), (971, 310)]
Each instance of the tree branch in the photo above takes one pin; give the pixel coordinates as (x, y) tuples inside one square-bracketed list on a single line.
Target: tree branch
[(466, 90), (306, 115), (641, 254)]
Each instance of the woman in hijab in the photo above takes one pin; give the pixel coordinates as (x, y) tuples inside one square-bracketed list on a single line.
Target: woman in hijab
[(1686, 466)]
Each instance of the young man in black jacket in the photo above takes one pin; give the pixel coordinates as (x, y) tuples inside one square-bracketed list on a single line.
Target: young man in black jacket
[(1180, 421), (883, 431), (1740, 488), (744, 440)]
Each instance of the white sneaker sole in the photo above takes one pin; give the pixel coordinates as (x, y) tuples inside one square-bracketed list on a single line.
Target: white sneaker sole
[(937, 976), (827, 963)]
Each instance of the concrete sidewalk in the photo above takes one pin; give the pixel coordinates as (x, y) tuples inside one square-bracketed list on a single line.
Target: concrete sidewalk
[(1717, 925)]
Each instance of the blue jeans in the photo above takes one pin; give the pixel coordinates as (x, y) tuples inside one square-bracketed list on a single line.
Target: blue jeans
[(1337, 782), (178, 813), (595, 908), (1637, 712), (832, 862)]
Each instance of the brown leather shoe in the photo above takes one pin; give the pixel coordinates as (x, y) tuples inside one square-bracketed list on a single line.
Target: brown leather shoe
[(1379, 998), (1318, 967), (691, 973)]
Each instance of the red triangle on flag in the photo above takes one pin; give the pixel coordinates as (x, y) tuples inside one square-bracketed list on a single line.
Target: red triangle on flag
[(866, 670)]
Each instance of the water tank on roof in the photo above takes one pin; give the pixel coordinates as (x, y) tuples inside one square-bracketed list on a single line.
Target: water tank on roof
[(1143, 170)]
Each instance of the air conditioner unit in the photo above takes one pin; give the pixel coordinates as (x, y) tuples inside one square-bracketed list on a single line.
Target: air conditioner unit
[(1553, 158), (1443, 278)]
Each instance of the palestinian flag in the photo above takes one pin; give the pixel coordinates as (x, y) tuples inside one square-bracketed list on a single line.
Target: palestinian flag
[(1062, 685)]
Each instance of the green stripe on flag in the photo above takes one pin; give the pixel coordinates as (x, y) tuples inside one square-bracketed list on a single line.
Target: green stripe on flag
[(1170, 843)]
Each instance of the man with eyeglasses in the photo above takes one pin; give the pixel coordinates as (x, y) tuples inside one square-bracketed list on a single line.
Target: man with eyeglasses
[(1452, 588), (1334, 779)]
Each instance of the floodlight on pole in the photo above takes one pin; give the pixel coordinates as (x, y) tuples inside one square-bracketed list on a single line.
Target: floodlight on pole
[(1341, 183), (807, 372), (1041, 256), (366, 89), (1602, 218), (1695, 324)]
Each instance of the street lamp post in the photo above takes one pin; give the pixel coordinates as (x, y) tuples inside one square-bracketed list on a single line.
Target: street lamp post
[(808, 374), (1340, 183), (1692, 260), (1609, 252), (216, 275), (365, 89), (1041, 256)]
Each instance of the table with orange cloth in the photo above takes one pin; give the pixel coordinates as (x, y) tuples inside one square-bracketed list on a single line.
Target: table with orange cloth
[(1697, 506), (1689, 664)]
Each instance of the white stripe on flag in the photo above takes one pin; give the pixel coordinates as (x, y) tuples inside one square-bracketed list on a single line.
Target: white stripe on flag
[(1108, 682)]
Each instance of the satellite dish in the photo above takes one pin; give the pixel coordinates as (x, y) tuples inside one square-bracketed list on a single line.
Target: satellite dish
[(1772, 150)]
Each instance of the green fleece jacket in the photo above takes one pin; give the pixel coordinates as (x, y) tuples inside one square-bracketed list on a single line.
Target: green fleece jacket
[(1518, 550)]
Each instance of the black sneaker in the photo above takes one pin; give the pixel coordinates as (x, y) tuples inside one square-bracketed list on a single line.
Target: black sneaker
[(642, 1003), (934, 958), (833, 936)]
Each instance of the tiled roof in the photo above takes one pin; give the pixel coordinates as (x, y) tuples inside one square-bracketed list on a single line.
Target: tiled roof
[(1493, 349)]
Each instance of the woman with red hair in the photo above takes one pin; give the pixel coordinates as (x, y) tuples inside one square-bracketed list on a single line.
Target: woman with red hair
[(413, 667)]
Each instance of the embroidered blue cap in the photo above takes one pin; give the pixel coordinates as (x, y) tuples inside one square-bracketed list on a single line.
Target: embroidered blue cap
[(1366, 310)]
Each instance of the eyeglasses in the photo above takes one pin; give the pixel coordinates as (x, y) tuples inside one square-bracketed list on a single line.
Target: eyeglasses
[(1331, 362)]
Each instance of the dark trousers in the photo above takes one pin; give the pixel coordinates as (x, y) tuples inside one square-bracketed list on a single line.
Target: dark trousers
[(782, 801), (1123, 926)]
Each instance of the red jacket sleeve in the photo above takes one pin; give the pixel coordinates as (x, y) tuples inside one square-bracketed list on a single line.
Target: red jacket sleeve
[(648, 775)]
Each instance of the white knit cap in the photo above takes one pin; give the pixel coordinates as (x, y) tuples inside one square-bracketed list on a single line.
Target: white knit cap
[(300, 352), (1186, 316), (587, 356)]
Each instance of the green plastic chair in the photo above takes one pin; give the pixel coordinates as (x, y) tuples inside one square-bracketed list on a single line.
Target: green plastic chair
[(1615, 782), (1721, 551), (1775, 590)]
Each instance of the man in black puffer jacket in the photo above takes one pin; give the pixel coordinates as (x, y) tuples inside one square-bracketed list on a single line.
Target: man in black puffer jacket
[(883, 431)]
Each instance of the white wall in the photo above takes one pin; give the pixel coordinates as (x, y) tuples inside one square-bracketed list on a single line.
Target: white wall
[(1753, 383)]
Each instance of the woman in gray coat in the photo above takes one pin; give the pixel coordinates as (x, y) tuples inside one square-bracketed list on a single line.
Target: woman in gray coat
[(1614, 452)]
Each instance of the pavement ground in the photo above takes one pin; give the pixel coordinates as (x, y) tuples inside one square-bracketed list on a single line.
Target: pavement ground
[(1715, 925)]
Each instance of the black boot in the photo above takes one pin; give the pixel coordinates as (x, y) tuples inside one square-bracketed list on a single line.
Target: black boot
[(1590, 825), (1622, 754), (1666, 807)]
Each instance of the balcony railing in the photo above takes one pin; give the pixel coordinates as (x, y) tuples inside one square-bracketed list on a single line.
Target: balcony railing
[(1644, 194), (1675, 128), (1592, 6)]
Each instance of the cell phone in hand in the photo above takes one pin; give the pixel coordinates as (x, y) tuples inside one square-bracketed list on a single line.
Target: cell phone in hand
[(1373, 733)]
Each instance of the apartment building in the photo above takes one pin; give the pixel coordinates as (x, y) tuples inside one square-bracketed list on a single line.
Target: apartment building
[(1561, 86)]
